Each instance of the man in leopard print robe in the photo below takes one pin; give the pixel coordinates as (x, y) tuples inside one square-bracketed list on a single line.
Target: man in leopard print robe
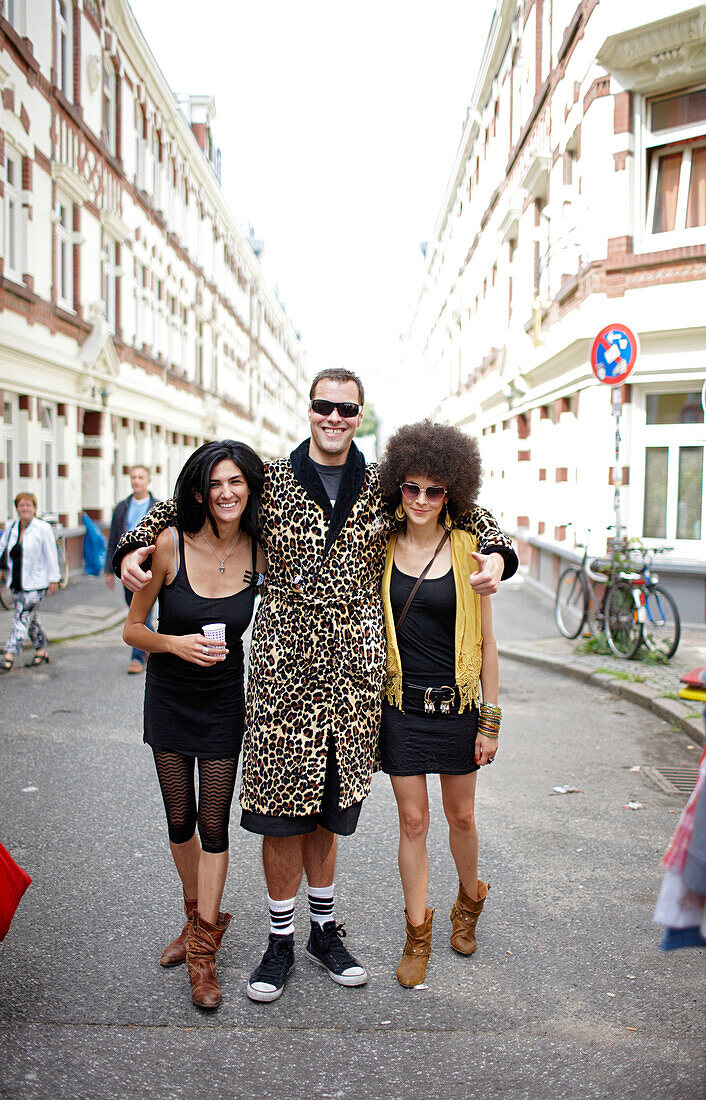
[(316, 667)]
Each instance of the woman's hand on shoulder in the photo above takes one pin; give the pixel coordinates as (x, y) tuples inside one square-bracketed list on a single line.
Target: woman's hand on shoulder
[(197, 650)]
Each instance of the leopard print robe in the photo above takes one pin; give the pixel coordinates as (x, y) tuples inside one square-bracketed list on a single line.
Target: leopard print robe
[(317, 658)]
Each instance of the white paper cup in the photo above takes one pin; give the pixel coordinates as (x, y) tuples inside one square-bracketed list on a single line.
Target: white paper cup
[(214, 632)]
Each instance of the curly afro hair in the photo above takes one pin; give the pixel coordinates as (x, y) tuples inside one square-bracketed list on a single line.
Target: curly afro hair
[(437, 451)]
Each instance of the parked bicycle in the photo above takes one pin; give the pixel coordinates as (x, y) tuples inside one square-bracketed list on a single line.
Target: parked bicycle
[(60, 538), (632, 607), (661, 626)]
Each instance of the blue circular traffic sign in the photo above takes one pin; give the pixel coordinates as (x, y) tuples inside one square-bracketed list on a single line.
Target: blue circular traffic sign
[(613, 354)]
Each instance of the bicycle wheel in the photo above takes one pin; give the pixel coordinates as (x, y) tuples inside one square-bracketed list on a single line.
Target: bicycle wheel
[(63, 561), (571, 602), (5, 594), (623, 629), (662, 627)]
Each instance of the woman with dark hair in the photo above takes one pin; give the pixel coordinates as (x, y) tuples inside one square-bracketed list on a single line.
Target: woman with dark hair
[(203, 573), (442, 660)]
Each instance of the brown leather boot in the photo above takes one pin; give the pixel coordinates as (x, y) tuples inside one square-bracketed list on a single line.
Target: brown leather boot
[(464, 917), (204, 941), (175, 952), (417, 949)]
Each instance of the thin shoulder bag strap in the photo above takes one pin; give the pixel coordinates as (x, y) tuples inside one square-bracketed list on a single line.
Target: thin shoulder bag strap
[(419, 580), (176, 552)]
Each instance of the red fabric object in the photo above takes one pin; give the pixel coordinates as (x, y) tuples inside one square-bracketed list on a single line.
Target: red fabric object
[(696, 678), (678, 850), (13, 883)]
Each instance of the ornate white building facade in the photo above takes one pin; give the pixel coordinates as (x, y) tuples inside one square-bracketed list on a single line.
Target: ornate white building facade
[(135, 320), (578, 200)]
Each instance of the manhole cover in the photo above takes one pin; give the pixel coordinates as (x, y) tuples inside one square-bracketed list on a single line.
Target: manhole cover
[(673, 780)]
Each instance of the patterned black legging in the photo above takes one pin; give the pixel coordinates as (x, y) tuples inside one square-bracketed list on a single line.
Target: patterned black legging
[(216, 786)]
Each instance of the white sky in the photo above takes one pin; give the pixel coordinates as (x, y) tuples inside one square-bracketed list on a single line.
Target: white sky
[(338, 126)]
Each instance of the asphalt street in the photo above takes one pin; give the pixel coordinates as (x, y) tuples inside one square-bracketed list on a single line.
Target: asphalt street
[(568, 995)]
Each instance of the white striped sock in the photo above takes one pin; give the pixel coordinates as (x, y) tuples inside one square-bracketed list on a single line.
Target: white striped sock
[(321, 903), (281, 916)]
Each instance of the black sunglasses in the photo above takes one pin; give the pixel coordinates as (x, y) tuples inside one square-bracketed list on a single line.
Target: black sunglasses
[(434, 493), (346, 409)]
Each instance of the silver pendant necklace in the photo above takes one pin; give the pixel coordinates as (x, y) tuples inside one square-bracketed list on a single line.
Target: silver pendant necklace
[(222, 560)]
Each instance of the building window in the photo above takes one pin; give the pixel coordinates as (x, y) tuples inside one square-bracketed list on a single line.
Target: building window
[(13, 11), (110, 283), (158, 318), (140, 304), (48, 464), (674, 467), (64, 273), (64, 58), (215, 360), (140, 146), (13, 217), (674, 408), (198, 377), (110, 107), (156, 170), (9, 451), (676, 163)]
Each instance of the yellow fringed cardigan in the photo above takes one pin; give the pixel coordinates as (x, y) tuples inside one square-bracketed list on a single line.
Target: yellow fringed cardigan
[(468, 638)]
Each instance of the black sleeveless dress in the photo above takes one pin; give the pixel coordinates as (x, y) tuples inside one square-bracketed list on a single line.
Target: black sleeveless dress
[(424, 744), (189, 709)]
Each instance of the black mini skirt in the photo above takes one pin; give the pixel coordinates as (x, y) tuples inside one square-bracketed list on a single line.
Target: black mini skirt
[(414, 743)]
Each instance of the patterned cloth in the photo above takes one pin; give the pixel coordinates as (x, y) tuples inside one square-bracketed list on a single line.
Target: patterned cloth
[(317, 657), (679, 909), (678, 850), (26, 621)]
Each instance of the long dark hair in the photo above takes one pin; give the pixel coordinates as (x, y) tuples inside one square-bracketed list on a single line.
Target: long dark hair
[(195, 478)]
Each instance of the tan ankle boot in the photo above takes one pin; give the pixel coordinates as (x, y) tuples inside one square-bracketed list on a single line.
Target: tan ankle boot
[(417, 949), (175, 952), (204, 941), (464, 917)]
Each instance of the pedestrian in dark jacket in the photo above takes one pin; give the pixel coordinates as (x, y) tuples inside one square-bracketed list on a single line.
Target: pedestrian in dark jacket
[(126, 516)]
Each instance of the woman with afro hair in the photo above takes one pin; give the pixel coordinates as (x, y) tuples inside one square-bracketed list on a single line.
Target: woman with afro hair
[(440, 714)]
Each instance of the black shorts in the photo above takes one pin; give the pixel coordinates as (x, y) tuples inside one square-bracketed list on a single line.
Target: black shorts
[(330, 816)]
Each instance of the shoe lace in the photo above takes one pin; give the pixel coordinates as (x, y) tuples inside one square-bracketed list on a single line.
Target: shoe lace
[(331, 942), (273, 961)]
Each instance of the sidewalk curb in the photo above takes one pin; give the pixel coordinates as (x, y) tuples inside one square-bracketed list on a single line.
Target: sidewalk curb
[(641, 695), (115, 619)]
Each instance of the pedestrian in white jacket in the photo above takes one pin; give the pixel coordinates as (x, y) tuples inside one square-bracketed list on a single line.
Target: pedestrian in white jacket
[(28, 553)]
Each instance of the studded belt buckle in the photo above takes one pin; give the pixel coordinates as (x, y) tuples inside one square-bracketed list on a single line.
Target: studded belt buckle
[(445, 700)]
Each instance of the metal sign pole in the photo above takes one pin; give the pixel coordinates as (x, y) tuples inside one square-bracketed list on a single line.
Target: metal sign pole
[(617, 404), (613, 355)]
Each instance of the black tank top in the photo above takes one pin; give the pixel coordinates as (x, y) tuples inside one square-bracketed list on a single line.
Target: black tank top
[(426, 640), (183, 611)]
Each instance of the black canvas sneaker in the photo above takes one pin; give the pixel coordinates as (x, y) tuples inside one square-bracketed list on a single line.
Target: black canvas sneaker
[(325, 948), (267, 982)]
